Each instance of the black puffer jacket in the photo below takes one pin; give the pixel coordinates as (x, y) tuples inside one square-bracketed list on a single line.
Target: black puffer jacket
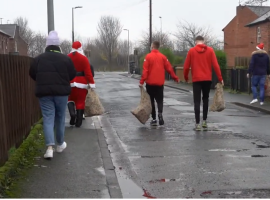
[(52, 72)]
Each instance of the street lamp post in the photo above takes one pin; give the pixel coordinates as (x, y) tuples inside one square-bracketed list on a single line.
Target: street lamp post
[(73, 21), (160, 30), (50, 10), (150, 24), (128, 49)]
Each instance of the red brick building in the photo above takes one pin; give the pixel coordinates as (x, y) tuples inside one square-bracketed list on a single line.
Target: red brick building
[(250, 26), (4, 42), (16, 45)]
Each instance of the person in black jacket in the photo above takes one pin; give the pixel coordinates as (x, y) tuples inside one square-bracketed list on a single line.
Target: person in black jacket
[(53, 72)]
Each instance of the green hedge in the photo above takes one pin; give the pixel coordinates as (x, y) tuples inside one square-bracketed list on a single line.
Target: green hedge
[(174, 60), (222, 59)]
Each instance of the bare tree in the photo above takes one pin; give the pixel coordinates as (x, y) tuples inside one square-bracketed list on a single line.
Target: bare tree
[(25, 32), (122, 55), (253, 2), (109, 29), (163, 38), (187, 33), (66, 46), (39, 45)]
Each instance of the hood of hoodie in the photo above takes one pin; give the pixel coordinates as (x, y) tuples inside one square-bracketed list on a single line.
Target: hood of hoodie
[(260, 53), (201, 48)]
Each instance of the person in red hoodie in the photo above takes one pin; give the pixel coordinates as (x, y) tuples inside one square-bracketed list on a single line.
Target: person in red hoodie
[(154, 68), (80, 84), (200, 60)]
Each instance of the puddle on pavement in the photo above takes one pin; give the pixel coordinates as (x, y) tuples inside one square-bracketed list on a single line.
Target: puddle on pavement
[(263, 146), (129, 188), (228, 150), (183, 108), (222, 150), (188, 113), (101, 170), (152, 156), (246, 156), (242, 116), (237, 156), (259, 156), (174, 102), (165, 180)]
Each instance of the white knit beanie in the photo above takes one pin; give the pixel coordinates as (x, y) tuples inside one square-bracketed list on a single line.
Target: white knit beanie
[(53, 39)]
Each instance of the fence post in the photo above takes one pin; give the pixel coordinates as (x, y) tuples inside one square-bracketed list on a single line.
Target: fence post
[(3, 132)]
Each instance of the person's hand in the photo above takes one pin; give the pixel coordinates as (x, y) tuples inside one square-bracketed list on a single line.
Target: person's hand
[(140, 85), (177, 80), (247, 75), (222, 83)]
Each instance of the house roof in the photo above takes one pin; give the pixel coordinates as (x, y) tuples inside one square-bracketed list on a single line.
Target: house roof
[(1, 31), (259, 10), (263, 18), (10, 29)]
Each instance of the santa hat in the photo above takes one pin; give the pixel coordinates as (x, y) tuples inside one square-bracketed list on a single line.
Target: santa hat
[(77, 47), (53, 39), (260, 46)]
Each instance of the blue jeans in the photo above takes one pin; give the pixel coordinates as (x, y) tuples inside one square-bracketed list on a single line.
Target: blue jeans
[(258, 80), (53, 110)]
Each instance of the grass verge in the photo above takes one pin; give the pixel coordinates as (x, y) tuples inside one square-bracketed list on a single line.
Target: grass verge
[(20, 160)]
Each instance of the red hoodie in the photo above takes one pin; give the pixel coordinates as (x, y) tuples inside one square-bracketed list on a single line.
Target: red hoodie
[(201, 59), (154, 67)]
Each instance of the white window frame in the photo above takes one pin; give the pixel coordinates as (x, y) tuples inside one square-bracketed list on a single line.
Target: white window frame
[(259, 35)]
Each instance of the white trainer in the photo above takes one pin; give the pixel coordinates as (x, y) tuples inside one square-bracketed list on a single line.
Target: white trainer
[(48, 154), (254, 101), (261, 103), (61, 148)]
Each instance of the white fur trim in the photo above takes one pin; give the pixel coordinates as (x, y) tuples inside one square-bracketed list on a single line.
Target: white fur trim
[(82, 85), (259, 48), (80, 51), (92, 85)]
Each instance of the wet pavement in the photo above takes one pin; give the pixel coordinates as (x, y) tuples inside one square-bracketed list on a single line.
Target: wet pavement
[(83, 170), (115, 156), (227, 161)]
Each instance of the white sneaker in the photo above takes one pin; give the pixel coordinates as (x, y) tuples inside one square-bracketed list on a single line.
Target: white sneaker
[(254, 101), (261, 103), (61, 148), (48, 154)]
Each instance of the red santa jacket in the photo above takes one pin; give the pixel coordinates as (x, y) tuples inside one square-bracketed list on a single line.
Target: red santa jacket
[(82, 65)]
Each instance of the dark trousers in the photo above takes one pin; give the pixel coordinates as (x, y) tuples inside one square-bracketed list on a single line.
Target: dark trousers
[(156, 93), (201, 88)]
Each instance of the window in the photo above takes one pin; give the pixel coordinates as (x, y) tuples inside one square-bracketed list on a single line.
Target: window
[(259, 36), (16, 46)]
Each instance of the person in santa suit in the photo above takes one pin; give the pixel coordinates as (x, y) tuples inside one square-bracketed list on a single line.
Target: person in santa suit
[(79, 85)]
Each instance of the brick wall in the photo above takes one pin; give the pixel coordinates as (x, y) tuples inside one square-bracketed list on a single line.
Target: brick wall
[(237, 37), (4, 44), (22, 46)]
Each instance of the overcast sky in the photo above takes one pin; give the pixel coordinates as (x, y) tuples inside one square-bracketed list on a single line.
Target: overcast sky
[(134, 14)]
